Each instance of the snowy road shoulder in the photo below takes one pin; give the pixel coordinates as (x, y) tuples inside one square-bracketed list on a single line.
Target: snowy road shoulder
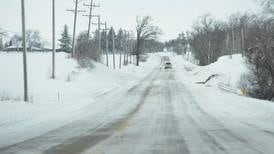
[(248, 118)]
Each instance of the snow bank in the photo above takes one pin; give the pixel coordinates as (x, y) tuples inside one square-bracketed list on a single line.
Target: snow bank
[(228, 70)]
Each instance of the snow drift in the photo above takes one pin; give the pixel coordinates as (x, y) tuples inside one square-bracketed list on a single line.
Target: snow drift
[(224, 73)]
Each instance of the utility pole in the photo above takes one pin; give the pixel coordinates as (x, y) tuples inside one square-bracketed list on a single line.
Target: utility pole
[(131, 48), (130, 52), (126, 48), (113, 48), (76, 11), (106, 31), (53, 39), (99, 29), (243, 41), (74, 28), (26, 98), (228, 40), (233, 41), (209, 58), (120, 59), (90, 15)]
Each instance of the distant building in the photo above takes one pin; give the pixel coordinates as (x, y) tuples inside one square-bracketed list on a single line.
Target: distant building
[(20, 48), (13, 48)]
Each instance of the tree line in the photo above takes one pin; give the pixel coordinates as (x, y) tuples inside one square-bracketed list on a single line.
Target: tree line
[(125, 42), (251, 35)]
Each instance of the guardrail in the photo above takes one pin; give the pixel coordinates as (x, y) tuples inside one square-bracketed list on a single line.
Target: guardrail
[(227, 88)]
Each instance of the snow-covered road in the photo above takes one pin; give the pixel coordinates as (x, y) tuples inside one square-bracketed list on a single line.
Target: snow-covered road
[(160, 115)]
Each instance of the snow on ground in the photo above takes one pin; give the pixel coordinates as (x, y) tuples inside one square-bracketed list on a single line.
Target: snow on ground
[(249, 118), (55, 102), (228, 71), (238, 112), (80, 89)]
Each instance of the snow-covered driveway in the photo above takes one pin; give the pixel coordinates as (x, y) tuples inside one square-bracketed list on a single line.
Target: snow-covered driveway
[(164, 113)]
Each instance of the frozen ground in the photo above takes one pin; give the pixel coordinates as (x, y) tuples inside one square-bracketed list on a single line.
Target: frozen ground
[(160, 111)]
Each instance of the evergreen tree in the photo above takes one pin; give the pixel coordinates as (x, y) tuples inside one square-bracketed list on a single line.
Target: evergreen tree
[(65, 40)]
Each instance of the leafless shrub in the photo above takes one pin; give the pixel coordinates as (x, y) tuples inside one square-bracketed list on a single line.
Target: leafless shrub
[(87, 50)]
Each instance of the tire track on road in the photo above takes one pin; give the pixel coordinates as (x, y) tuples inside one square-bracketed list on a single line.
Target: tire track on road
[(200, 118), (80, 144)]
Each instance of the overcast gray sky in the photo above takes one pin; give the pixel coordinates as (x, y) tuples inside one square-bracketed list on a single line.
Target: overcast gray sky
[(172, 16)]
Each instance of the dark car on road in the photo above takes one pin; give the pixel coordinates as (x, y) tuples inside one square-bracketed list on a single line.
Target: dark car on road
[(168, 65)]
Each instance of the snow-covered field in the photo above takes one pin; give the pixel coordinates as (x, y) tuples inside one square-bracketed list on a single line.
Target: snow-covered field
[(55, 102)]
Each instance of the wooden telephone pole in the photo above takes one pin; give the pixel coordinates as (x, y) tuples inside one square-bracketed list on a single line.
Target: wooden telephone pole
[(106, 34), (53, 39), (26, 98), (99, 29), (113, 47), (91, 6), (76, 11)]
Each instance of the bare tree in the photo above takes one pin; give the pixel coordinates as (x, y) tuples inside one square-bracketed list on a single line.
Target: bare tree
[(2, 34), (16, 41), (86, 49), (33, 39), (145, 31), (179, 45), (268, 6), (207, 40), (260, 56)]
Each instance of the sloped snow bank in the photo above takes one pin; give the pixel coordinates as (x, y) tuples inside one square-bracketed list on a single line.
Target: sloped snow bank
[(226, 72)]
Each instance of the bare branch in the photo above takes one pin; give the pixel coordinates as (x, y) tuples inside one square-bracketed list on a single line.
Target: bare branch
[(145, 31)]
